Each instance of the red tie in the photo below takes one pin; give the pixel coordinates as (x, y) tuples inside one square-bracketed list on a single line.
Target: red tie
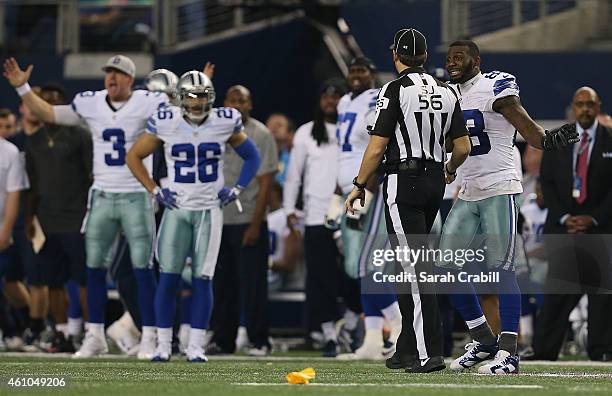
[(582, 166)]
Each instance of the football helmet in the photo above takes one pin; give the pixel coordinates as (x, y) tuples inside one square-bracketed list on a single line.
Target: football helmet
[(196, 95), (162, 80)]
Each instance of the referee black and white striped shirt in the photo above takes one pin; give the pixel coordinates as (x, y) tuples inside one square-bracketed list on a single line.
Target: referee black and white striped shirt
[(417, 112)]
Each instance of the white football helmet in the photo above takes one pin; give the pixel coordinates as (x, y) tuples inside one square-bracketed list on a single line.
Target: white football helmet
[(162, 80), (192, 87)]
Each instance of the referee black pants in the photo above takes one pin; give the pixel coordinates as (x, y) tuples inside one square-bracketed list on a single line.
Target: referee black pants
[(412, 201)]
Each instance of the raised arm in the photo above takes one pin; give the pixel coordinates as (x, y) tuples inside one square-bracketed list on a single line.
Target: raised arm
[(45, 112)]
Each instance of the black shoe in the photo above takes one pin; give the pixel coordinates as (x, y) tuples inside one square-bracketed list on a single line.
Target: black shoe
[(428, 365), (60, 344), (398, 361), (330, 349), (215, 349)]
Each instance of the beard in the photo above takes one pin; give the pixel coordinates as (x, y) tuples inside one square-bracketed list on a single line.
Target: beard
[(466, 73)]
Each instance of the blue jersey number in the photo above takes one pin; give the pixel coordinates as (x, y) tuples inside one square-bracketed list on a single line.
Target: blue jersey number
[(117, 137), (207, 161), (474, 121), (342, 118)]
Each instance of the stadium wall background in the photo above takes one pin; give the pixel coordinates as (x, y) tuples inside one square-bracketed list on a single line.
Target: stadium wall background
[(285, 65)]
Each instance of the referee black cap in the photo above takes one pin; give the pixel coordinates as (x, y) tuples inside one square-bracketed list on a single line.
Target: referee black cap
[(363, 61), (409, 42)]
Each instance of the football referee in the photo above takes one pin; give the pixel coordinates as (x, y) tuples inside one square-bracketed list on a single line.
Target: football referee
[(417, 120)]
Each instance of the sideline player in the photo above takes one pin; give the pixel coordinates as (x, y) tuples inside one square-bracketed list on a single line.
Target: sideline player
[(363, 231), (116, 117), (194, 137), (487, 204)]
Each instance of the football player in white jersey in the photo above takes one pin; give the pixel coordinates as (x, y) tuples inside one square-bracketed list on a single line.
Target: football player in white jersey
[(194, 137), (363, 231), (487, 205), (116, 117)]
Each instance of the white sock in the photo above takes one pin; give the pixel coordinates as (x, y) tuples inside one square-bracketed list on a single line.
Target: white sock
[(374, 323), (329, 331), (196, 338), (351, 319), (526, 326), (63, 327), (392, 312), (75, 326), (475, 322), (373, 337), (164, 336), (96, 329), (148, 332)]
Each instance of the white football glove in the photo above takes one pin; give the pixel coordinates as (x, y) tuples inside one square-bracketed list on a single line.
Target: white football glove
[(355, 220), (334, 212)]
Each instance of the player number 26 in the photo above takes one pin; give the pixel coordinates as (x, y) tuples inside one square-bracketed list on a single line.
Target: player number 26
[(206, 157)]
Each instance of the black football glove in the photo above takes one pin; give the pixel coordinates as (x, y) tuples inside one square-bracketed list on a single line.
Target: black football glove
[(557, 138)]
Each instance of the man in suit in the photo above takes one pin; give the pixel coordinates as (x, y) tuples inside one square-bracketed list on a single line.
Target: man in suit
[(577, 186)]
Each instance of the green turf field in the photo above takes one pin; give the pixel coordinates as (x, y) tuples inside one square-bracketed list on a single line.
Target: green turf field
[(245, 377)]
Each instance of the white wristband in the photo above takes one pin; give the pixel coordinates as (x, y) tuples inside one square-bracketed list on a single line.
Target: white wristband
[(23, 89)]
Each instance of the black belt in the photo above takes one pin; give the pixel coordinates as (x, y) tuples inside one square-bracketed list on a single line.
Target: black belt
[(413, 165)]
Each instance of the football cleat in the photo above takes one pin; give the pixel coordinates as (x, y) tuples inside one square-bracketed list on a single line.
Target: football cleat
[(122, 337), (196, 355), (146, 349), (163, 353), (476, 353), (261, 351), (92, 346), (330, 349), (370, 350), (504, 363)]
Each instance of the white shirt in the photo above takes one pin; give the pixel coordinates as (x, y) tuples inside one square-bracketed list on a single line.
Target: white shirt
[(13, 175), (194, 154), (317, 164), (114, 131), (354, 116)]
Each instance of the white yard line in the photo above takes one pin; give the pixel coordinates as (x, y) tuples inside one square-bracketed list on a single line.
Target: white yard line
[(410, 385)]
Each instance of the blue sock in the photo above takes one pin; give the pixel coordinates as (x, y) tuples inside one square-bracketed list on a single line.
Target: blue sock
[(464, 298), (96, 294), (201, 305), (186, 309), (145, 281), (375, 296), (74, 300), (165, 299), (509, 301)]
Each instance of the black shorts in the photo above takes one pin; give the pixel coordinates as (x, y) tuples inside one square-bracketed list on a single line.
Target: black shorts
[(61, 259), (15, 259)]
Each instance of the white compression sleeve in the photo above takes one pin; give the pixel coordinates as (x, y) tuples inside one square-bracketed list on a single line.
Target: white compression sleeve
[(65, 115)]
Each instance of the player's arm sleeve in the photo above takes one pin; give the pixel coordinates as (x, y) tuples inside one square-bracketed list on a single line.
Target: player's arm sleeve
[(293, 180), (387, 111), (504, 85), (251, 156), (457, 127), (66, 115), (151, 126)]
